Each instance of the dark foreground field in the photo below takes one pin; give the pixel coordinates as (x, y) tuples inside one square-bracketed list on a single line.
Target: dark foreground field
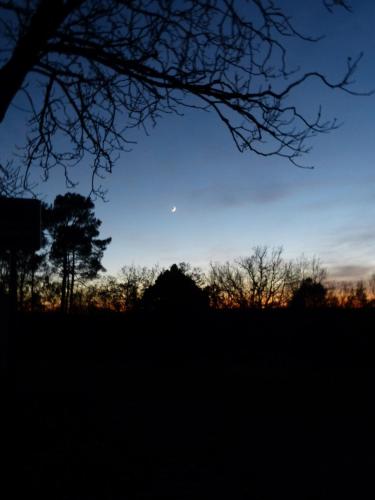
[(229, 405)]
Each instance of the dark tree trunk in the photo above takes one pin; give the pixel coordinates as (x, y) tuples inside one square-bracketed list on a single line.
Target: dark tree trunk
[(32, 288), (13, 281), (22, 289), (64, 283), (71, 298), (67, 288), (43, 25)]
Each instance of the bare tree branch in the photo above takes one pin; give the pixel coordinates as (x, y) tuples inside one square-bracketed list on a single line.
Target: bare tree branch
[(92, 70), (330, 5)]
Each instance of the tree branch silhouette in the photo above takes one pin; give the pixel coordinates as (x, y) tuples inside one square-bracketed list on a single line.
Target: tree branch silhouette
[(91, 71)]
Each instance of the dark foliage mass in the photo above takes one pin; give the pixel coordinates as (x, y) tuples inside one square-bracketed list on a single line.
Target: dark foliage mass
[(274, 404), (175, 291), (71, 254), (309, 294), (92, 70), (76, 250)]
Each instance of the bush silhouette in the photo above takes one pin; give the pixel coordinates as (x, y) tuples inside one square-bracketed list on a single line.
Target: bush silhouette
[(174, 290), (310, 294)]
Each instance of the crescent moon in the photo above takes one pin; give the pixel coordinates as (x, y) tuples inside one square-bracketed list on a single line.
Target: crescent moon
[(173, 209)]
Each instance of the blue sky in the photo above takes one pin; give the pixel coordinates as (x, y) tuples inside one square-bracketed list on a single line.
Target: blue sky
[(228, 202)]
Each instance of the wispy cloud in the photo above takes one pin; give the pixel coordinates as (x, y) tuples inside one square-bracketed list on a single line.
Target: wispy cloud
[(230, 196), (357, 236), (350, 272), (350, 252)]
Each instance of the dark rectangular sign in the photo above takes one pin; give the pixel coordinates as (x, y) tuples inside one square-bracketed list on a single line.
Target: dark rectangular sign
[(20, 225)]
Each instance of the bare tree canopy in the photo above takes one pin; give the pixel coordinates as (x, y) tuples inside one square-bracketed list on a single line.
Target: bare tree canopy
[(91, 70)]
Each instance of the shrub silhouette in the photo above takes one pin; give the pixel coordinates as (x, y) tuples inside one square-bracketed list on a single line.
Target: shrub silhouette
[(174, 290), (310, 294)]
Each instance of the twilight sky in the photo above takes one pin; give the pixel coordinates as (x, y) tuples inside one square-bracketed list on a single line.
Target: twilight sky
[(228, 202)]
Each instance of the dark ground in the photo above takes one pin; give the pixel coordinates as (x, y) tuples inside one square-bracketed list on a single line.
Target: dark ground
[(226, 405)]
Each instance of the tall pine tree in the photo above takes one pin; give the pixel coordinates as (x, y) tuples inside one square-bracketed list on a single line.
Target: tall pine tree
[(76, 250)]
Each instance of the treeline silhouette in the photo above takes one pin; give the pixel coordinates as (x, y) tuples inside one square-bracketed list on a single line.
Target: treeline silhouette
[(299, 283), (215, 404), (247, 381), (67, 275)]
